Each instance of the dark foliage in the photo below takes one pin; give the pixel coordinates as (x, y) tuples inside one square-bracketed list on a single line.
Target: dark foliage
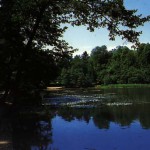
[(27, 26), (119, 66)]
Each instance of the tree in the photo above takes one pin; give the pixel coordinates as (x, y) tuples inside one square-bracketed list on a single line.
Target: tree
[(100, 58), (143, 59), (79, 74), (27, 26), (144, 54), (122, 60)]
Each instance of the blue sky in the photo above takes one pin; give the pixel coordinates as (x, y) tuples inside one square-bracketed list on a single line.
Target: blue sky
[(80, 38)]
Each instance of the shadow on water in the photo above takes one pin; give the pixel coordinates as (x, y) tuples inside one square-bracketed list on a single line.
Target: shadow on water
[(24, 131)]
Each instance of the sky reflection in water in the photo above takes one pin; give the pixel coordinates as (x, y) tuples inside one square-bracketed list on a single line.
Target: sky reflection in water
[(79, 135)]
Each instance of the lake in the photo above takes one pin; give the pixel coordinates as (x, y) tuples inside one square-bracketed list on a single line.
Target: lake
[(119, 119)]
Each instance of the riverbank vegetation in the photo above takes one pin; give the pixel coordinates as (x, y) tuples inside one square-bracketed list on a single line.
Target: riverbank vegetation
[(121, 86), (120, 66)]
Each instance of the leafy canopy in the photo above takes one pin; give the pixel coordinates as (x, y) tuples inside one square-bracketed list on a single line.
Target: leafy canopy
[(27, 26), (38, 22)]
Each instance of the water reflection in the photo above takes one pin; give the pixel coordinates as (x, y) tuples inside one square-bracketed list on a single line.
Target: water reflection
[(25, 131), (122, 115), (105, 128), (81, 126), (30, 131), (93, 97), (139, 94)]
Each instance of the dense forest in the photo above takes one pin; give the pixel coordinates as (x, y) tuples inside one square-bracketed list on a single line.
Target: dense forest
[(118, 66)]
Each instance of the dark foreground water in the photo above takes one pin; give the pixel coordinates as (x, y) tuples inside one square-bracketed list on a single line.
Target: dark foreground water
[(122, 122)]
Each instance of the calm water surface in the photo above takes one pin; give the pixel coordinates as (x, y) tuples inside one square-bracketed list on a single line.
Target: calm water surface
[(80, 135), (107, 127)]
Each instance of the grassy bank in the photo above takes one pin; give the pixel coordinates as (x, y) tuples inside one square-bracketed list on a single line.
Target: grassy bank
[(122, 86)]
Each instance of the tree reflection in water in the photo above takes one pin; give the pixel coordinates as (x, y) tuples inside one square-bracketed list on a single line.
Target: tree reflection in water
[(5, 134), (102, 116), (31, 131), (26, 131)]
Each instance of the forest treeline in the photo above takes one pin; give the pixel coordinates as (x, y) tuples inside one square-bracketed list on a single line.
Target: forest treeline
[(118, 66)]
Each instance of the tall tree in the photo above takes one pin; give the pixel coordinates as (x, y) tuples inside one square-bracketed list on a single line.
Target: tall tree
[(28, 25), (100, 58)]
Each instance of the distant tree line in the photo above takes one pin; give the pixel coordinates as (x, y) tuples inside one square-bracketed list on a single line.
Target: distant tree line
[(118, 66)]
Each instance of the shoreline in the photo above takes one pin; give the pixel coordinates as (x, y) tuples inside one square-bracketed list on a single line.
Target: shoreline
[(121, 86)]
